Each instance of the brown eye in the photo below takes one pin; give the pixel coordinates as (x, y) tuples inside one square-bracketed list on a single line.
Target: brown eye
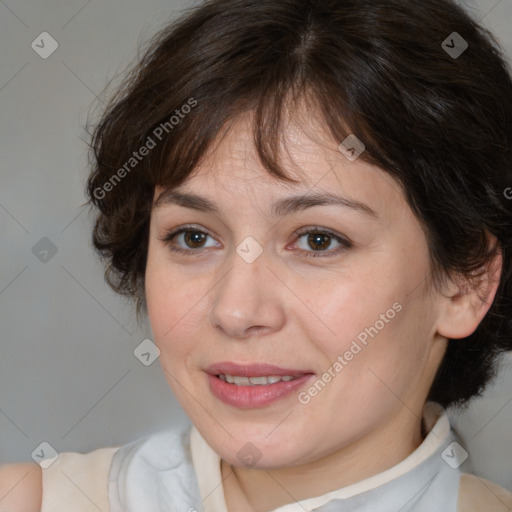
[(186, 239), (194, 239), (318, 241)]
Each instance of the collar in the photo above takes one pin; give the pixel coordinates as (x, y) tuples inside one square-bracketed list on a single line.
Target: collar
[(403, 485)]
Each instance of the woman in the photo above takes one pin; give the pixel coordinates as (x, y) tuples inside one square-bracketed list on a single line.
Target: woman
[(308, 200)]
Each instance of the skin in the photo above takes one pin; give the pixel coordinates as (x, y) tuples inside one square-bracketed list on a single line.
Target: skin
[(298, 312), (21, 487)]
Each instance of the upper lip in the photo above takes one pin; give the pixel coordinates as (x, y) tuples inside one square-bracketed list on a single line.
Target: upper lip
[(253, 370)]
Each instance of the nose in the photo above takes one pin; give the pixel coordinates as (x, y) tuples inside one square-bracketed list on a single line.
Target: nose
[(248, 300)]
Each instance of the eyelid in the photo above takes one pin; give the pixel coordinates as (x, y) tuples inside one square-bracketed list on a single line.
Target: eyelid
[(170, 235), (344, 242)]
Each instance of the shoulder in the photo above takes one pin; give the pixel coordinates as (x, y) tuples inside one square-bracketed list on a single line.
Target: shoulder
[(476, 494), (26, 487), (72, 478), (78, 478), (20, 487)]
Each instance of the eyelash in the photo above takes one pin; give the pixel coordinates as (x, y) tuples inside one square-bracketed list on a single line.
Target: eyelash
[(345, 244)]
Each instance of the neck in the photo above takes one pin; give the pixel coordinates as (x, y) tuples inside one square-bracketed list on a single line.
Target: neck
[(263, 490)]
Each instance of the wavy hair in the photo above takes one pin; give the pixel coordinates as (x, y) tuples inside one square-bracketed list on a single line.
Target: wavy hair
[(439, 123)]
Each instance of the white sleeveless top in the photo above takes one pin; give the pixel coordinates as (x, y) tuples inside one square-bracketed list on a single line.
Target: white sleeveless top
[(177, 471)]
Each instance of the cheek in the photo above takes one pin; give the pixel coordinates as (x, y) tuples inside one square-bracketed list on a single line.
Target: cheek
[(372, 322), (175, 302), (342, 308), (383, 354)]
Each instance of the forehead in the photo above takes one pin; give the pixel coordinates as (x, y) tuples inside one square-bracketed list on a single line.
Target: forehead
[(231, 173)]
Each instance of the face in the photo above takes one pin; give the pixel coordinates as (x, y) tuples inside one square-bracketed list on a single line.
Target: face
[(335, 295)]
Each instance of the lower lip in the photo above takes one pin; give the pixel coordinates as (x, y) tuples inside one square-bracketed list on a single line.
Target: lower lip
[(250, 397)]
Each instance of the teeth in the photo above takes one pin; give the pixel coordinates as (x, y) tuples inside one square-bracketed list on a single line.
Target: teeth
[(254, 381), (241, 381), (258, 380)]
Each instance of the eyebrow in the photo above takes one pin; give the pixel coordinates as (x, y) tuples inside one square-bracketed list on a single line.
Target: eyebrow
[(280, 208)]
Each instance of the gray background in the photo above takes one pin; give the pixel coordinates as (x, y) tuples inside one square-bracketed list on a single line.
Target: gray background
[(68, 375)]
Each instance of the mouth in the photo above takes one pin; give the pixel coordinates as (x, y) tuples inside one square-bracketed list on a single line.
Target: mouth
[(239, 380), (253, 385), (254, 370)]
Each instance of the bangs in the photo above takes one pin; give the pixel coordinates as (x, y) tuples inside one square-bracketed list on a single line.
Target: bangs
[(270, 109)]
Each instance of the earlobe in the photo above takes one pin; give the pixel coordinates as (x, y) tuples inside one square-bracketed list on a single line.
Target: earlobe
[(465, 301)]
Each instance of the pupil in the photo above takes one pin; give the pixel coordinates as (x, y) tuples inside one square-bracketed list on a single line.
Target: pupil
[(318, 240), (195, 238), (190, 235)]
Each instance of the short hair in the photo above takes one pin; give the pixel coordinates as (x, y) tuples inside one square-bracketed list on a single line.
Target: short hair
[(432, 113)]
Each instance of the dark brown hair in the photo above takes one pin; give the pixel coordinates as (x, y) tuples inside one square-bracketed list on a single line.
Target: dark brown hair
[(439, 123)]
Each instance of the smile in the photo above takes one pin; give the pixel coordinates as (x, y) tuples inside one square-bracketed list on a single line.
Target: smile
[(254, 392), (254, 381)]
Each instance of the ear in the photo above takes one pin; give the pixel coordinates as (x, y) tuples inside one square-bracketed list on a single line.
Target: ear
[(466, 300)]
